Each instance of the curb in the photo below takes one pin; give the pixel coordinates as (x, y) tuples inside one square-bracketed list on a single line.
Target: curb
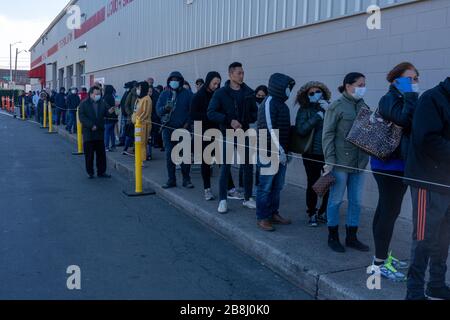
[(320, 286)]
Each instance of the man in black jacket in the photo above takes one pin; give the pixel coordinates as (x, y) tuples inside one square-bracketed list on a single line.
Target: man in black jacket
[(427, 172), (234, 107), (92, 116)]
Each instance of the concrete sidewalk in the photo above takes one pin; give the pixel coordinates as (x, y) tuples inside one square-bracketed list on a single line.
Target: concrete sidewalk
[(297, 252)]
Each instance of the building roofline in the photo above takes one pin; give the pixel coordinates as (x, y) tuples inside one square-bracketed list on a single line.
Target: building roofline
[(54, 22)]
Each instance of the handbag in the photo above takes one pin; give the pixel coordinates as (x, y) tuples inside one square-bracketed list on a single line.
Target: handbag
[(375, 135), (301, 144), (323, 185)]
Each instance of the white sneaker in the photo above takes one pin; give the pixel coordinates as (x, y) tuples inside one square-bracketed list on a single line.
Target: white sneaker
[(250, 204), (223, 207), (208, 195)]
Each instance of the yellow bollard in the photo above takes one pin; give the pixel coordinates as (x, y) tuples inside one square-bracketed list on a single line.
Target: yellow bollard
[(44, 125), (50, 118), (79, 136), (23, 108), (138, 144), (138, 155)]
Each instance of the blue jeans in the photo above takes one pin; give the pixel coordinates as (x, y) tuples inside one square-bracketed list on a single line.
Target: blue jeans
[(353, 183), (71, 121), (171, 168), (268, 194), (123, 122), (109, 135)]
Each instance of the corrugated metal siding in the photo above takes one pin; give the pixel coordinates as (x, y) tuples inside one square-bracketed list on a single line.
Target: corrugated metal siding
[(150, 28)]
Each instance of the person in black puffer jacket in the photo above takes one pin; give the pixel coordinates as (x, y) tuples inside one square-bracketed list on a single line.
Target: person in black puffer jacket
[(270, 186)]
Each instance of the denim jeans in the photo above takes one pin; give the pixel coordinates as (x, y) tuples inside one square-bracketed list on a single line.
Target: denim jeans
[(110, 137), (353, 183), (225, 172), (71, 121), (268, 193), (171, 167), (123, 122)]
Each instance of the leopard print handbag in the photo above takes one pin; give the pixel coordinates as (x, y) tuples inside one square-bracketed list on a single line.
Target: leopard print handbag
[(375, 135)]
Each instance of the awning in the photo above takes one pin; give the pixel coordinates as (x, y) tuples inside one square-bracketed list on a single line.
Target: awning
[(38, 73)]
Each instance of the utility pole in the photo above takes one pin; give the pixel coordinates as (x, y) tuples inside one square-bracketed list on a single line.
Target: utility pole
[(10, 61)]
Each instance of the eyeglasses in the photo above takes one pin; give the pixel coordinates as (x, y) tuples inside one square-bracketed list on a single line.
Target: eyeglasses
[(313, 93)]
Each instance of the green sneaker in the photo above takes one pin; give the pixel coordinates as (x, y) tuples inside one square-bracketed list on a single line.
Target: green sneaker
[(397, 264), (389, 272)]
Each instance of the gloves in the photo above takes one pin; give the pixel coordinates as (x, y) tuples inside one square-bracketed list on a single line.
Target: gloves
[(324, 105), (404, 84), (327, 169), (321, 114)]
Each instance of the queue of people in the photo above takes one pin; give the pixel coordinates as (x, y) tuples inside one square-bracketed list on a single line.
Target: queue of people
[(321, 127)]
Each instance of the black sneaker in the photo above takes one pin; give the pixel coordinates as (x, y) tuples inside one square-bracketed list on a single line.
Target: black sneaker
[(313, 223), (322, 218), (438, 293)]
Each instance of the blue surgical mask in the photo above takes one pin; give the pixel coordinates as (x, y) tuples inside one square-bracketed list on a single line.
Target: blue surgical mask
[(97, 98), (288, 92), (316, 97), (360, 92), (174, 84)]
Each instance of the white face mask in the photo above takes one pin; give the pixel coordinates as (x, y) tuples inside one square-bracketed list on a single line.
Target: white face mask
[(138, 92), (415, 87), (360, 92)]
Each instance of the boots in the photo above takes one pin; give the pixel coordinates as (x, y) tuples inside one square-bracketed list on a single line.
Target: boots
[(333, 240), (352, 240)]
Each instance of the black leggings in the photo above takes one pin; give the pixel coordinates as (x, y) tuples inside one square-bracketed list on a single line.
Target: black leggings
[(391, 192), (314, 172)]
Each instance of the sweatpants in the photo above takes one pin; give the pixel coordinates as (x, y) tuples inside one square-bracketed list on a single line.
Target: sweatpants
[(431, 240)]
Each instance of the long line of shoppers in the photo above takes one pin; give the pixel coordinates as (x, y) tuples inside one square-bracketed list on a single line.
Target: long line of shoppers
[(322, 125)]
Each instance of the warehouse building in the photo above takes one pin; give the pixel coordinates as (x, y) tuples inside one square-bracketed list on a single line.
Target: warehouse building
[(122, 40)]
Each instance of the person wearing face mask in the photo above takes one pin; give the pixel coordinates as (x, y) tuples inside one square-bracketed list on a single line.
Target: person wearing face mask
[(397, 106), (174, 109), (92, 114), (73, 102), (344, 161), (274, 114), (143, 112), (313, 99), (199, 112)]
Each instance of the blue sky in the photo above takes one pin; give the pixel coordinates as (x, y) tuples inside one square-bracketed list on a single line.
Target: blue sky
[(24, 20)]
